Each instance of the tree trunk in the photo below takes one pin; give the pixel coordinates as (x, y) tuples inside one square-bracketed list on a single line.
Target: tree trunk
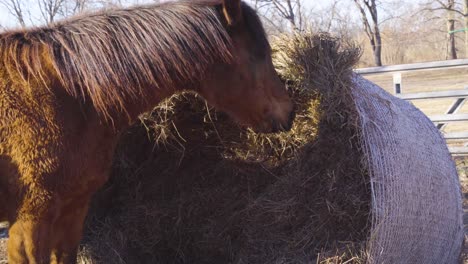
[(291, 16), (465, 12), (452, 49), (378, 52), (372, 32), (378, 47)]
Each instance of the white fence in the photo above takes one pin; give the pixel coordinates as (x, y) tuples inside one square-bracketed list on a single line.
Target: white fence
[(459, 96)]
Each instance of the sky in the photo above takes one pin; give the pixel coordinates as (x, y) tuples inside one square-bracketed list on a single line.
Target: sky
[(6, 19)]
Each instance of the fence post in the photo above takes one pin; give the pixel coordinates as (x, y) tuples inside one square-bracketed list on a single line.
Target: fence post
[(397, 82)]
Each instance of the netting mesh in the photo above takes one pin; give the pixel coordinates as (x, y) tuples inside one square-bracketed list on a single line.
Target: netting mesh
[(416, 198)]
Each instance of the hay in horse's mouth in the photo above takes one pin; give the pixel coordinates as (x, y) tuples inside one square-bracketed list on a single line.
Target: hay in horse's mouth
[(200, 190)]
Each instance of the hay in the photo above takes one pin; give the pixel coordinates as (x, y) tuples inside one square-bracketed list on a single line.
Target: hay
[(363, 177), (199, 189)]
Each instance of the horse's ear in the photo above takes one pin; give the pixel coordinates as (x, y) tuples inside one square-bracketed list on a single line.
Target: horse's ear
[(232, 11)]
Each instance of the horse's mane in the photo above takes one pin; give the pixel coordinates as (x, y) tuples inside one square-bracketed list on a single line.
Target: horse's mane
[(114, 55)]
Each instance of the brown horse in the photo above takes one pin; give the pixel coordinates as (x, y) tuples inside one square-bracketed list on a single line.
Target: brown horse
[(69, 89)]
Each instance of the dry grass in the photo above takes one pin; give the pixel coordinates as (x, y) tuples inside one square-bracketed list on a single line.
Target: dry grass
[(199, 189)]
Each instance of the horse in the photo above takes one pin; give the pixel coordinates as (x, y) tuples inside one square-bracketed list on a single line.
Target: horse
[(68, 90)]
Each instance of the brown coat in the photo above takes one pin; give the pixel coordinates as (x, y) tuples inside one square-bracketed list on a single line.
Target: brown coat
[(67, 90)]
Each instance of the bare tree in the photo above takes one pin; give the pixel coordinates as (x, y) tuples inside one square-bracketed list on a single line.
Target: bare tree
[(317, 21), (290, 10), (449, 11), (15, 8), (73, 7), (370, 21), (77, 6), (333, 11), (50, 9)]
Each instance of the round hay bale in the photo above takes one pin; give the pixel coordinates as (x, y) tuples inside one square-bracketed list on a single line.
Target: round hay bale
[(189, 186), (417, 204)]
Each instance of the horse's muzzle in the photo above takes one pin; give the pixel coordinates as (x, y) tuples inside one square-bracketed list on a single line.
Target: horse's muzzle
[(277, 126)]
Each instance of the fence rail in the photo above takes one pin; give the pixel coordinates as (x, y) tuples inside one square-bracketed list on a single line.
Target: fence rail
[(450, 116), (415, 66), (434, 95), (458, 150), (456, 135)]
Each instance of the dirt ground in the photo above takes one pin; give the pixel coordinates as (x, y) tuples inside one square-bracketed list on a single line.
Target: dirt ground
[(3, 233), (3, 251)]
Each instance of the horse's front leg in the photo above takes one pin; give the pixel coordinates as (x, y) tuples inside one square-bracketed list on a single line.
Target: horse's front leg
[(49, 231), (68, 230), (31, 234)]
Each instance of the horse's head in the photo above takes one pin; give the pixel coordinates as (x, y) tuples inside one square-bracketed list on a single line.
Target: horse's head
[(248, 89)]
